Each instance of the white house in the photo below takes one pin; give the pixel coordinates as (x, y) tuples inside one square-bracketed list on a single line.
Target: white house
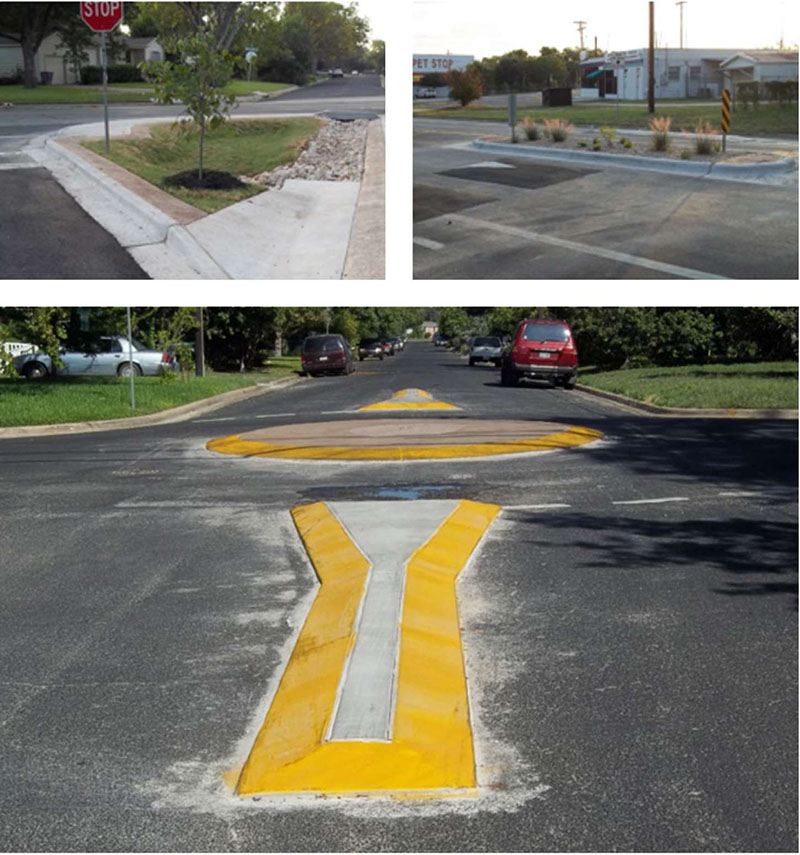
[(50, 58), (686, 73)]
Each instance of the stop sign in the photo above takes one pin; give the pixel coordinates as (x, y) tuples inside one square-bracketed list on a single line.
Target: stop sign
[(101, 17)]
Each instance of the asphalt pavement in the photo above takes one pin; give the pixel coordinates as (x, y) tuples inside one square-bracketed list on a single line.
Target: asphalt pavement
[(629, 623), (484, 216)]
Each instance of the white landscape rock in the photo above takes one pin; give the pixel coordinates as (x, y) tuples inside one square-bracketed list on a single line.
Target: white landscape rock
[(335, 154)]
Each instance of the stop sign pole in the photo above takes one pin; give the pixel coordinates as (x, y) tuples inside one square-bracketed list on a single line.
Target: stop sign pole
[(102, 18)]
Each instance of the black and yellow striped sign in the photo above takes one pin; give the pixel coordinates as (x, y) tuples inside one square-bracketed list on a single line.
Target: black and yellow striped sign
[(726, 111)]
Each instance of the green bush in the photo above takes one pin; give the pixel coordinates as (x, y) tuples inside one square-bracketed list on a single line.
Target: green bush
[(660, 128), (531, 128), (122, 72), (465, 86), (608, 135), (433, 80), (686, 154)]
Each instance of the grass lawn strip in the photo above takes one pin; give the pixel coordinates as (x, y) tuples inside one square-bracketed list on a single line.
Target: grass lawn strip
[(764, 121), (82, 399), (243, 147), (764, 385)]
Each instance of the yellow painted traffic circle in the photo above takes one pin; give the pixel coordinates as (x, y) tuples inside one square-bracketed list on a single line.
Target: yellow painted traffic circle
[(430, 747), (401, 439)]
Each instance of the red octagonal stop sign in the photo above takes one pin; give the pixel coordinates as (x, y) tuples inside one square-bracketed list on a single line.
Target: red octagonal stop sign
[(101, 17)]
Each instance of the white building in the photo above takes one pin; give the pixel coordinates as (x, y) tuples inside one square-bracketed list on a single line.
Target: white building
[(49, 58), (437, 63), (681, 73)]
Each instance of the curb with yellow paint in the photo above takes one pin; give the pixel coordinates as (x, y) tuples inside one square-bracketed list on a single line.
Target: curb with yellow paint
[(569, 438), (431, 751), (410, 399)]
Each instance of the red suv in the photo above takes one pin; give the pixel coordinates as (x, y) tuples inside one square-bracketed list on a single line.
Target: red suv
[(541, 350)]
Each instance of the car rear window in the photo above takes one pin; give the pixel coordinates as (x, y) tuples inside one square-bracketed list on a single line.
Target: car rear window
[(486, 342), (545, 332), (368, 342), (322, 344)]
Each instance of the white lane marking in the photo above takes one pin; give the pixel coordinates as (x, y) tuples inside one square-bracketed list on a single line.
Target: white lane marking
[(335, 412), (387, 534), (19, 165), (600, 252), (533, 507), (428, 244), (489, 164), (740, 494), (652, 501), (225, 419), (276, 415)]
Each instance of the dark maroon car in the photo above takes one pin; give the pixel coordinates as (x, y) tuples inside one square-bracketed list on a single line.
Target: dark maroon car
[(327, 354)]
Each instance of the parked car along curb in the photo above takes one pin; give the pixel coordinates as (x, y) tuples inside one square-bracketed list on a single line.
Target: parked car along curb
[(174, 415), (678, 412)]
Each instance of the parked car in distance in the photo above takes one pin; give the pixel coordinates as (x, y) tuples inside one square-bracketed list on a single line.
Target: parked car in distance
[(370, 347), (398, 343), (487, 348), (541, 350), (427, 92), (337, 72), (98, 356), (326, 354), (388, 347), (439, 340)]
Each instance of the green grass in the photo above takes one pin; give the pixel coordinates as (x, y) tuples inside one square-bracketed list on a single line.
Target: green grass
[(763, 385), (241, 147), (765, 121), (68, 95), (78, 399)]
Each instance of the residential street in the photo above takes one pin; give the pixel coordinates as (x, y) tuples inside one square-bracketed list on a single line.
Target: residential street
[(629, 624), (46, 235), (482, 216)]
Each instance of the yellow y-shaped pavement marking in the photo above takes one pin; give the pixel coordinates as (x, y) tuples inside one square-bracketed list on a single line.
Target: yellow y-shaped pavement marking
[(431, 748)]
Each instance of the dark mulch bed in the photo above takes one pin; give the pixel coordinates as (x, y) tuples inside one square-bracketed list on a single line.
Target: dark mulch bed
[(213, 179)]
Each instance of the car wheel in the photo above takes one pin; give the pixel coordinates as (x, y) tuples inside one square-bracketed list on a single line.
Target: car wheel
[(509, 376), (569, 384), (125, 370), (360, 358), (471, 362), (35, 370), (381, 357)]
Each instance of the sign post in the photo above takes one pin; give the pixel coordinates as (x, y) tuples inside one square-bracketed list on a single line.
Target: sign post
[(512, 115), (250, 54), (725, 118), (102, 18)]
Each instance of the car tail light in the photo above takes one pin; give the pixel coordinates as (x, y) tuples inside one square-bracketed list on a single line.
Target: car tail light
[(570, 350), (165, 357)]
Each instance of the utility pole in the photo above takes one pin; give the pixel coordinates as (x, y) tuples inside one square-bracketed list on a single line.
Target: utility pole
[(651, 62), (581, 25), (681, 3), (199, 345)]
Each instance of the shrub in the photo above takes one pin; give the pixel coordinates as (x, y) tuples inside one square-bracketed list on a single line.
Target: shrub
[(582, 144), (557, 129), (122, 72), (686, 154), (531, 128), (660, 128), (608, 135), (624, 141), (704, 139), (433, 80), (596, 144), (465, 86)]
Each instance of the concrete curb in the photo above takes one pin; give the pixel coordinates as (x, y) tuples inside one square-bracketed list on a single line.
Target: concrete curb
[(687, 413), (366, 253), (720, 171), (173, 416)]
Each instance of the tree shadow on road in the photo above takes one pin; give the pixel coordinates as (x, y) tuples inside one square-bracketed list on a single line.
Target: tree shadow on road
[(758, 557)]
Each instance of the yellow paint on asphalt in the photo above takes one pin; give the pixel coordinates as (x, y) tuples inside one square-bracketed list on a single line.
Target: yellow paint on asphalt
[(410, 399), (431, 751), (569, 438)]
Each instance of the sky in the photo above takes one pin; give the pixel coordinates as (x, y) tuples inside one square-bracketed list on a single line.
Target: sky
[(377, 14), (483, 28)]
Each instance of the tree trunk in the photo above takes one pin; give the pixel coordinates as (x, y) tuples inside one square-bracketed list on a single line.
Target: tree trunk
[(202, 135), (29, 62)]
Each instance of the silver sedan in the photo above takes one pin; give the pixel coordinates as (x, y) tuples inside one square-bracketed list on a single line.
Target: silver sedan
[(106, 356)]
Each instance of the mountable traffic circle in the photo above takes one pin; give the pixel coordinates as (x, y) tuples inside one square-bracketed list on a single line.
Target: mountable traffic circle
[(403, 439)]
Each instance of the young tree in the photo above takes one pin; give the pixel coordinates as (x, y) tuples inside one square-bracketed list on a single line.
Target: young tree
[(465, 86), (196, 78), (75, 38)]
